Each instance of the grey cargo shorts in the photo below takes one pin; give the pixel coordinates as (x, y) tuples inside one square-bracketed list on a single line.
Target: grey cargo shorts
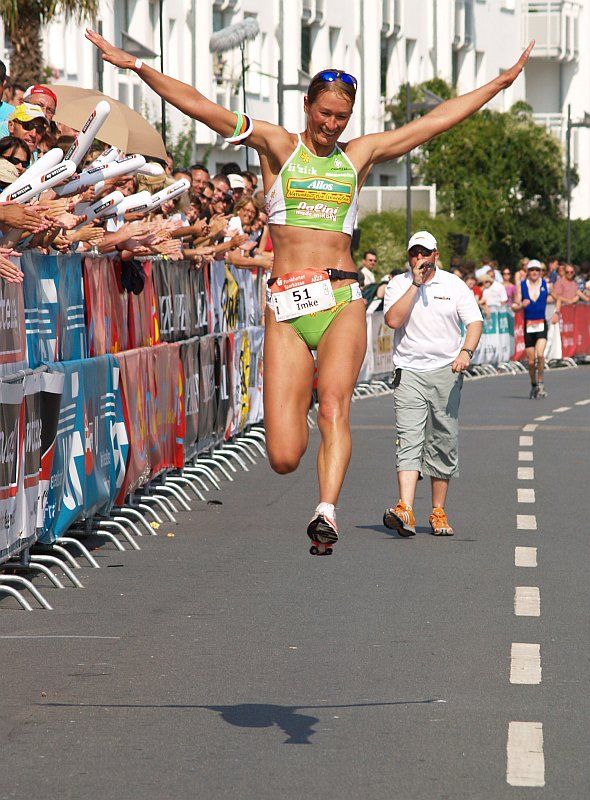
[(427, 421)]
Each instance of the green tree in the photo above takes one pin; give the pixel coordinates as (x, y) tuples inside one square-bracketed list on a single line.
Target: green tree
[(501, 174), (23, 20)]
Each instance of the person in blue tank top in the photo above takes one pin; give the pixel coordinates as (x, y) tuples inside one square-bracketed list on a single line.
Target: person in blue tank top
[(532, 297)]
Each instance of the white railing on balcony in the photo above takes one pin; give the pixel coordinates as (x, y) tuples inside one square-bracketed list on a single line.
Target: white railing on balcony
[(555, 123), (391, 24), (464, 34), (554, 24)]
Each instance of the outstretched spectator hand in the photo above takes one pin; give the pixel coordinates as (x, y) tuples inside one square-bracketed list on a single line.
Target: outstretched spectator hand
[(27, 218), (9, 271)]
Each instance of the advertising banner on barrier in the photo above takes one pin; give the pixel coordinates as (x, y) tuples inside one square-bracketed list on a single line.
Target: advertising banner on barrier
[(378, 361), (575, 330), (255, 412), (13, 342), (169, 407), (241, 380), (106, 307), (189, 356), (200, 301), (144, 326), (223, 411), (54, 307), (11, 403), (208, 401), (133, 367), (90, 447), (497, 340)]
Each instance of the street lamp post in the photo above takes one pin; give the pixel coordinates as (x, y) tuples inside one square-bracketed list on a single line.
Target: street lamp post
[(584, 123), (431, 100), (161, 13)]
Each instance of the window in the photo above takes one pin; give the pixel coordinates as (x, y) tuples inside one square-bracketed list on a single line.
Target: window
[(306, 49), (334, 36)]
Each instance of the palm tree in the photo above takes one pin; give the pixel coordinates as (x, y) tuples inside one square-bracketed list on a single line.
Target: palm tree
[(23, 20)]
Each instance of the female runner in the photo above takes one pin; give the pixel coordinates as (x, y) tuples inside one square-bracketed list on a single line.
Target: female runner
[(312, 182)]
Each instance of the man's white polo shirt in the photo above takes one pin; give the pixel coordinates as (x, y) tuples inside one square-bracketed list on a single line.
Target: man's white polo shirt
[(431, 337)]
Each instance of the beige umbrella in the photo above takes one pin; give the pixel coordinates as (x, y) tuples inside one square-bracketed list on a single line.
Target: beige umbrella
[(124, 128)]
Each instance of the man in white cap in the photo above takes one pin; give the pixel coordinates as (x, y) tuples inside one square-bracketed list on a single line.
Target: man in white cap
[(426, 307), (532, 295)]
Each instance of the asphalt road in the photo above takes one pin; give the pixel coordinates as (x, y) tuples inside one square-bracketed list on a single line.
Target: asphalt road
[(225, 662)]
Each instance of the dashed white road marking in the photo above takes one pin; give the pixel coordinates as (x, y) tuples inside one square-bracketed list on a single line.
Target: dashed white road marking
[(561, 409), (525, 441), (525, 455), (542, 419), (527, 601), (526, 762), (525, 663), (530, 428), (526, 522), (526, 495), (526, 473), (525, 556), (583, 402)]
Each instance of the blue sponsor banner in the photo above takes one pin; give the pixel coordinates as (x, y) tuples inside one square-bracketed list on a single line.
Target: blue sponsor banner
[(91, 446), (54, 307)]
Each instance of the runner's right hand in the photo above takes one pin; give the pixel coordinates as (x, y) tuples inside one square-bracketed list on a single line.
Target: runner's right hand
[(110, 53)]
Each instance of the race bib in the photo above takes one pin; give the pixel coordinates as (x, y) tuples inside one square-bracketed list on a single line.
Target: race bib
[(535, 325), (304, 292)]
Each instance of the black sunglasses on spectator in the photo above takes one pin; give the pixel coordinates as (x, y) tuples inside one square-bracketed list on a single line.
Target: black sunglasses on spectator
[(418, 250), (37, 124), (16, 161)]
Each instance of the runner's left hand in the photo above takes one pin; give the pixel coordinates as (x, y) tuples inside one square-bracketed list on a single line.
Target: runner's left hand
[(507, 78)]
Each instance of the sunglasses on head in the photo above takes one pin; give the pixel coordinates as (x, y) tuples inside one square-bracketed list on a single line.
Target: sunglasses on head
[(16, 161), (34, 124), (329, 75), (418, 250)]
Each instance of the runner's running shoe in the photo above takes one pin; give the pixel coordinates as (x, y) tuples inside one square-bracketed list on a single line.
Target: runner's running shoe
[(400, 519), (439, 523), (541, 391), (322, 530), (534, 392)]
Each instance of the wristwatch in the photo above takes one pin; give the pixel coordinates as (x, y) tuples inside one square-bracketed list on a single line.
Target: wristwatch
[(468, 351)]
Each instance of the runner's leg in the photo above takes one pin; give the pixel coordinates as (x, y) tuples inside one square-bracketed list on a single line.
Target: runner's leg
[(530, 355), (540, 353), (340, 356), (288, 384)]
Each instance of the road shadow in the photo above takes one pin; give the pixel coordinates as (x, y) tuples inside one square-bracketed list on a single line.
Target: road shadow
[(299, 728)]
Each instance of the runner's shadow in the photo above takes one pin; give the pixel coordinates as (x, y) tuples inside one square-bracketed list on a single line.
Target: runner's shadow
[(298, 727), (382, 529)]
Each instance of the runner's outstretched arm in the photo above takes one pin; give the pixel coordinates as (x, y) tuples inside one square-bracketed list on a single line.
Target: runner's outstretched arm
[(378, 147), (187, 99)]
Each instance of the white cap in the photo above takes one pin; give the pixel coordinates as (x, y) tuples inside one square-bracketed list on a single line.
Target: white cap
[(482, 271), (533, 264), (423, 238), (236, 181)]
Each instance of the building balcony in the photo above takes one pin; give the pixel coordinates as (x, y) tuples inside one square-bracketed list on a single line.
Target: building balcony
[(555, 26), (555, 124)]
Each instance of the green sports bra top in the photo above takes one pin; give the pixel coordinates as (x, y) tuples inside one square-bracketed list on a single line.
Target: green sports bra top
[(318, 192)]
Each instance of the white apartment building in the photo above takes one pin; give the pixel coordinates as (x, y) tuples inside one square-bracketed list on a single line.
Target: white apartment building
[(383, 42)]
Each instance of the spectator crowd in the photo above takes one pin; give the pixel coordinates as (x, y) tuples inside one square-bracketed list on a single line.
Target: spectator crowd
[(222, 215)]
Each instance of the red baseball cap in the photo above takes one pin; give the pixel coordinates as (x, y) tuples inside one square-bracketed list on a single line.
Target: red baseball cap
[(38, 89)]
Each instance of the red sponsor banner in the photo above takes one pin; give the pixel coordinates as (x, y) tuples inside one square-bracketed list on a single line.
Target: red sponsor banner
[(519, 349), (144, 329), (168, 431), (581, 329), (566, 328), (134, 381), (106, 307)]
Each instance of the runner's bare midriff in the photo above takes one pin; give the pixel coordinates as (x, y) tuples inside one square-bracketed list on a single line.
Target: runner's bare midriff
[(304, 248)]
